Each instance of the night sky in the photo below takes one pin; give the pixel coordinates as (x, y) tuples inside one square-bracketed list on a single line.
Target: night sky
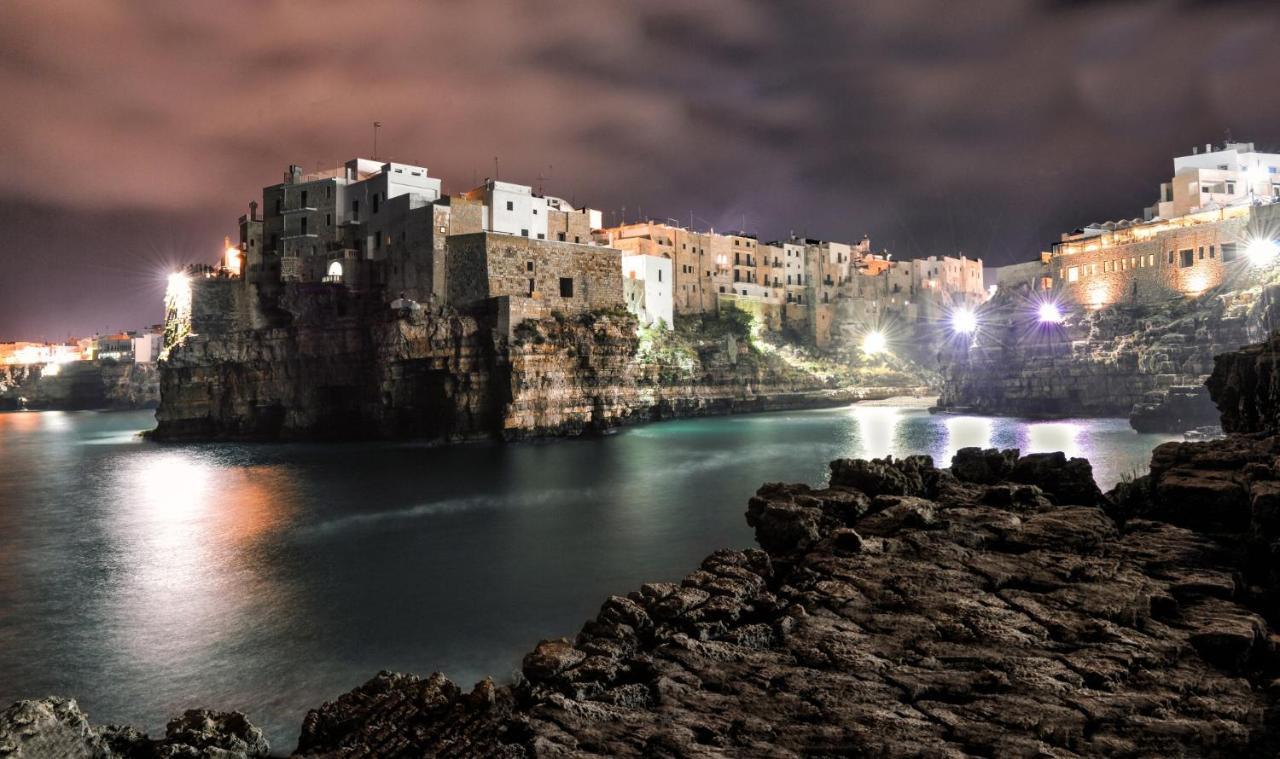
[(132, 135)]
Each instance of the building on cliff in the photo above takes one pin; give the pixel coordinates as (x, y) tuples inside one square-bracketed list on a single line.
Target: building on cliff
[(388, 227), (1217, 212)]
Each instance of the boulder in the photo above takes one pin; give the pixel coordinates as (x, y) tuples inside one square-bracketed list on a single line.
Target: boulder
[(985, 467), (1064, 481)]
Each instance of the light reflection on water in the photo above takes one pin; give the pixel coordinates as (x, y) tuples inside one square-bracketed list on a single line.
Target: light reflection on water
[(145, 580)]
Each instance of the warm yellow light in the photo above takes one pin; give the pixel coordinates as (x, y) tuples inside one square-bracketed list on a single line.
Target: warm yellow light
[(874, 342)]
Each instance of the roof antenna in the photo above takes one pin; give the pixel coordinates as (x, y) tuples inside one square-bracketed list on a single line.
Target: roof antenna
[(376, 126), (495, 168)]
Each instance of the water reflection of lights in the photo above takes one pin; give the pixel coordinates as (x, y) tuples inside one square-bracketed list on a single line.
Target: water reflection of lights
[(966, 432), (186, 529), (1047, 437), (876, 428)]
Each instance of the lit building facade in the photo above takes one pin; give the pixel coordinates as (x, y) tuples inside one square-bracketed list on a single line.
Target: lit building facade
[(1193, 239)]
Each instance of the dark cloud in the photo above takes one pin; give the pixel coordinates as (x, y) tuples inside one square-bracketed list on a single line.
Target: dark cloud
[(134, 133)]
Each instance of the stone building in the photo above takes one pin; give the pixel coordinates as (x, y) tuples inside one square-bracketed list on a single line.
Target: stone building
[(569, 277), (1218, 204), (385, 225)]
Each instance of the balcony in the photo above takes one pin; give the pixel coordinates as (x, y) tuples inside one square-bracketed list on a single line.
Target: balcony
[(301, 209)]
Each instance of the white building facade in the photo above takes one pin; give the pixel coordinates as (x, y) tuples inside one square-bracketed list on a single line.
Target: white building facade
[(647, 289)]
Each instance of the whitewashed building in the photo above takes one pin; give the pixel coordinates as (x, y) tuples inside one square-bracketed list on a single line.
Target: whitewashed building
[(647, 288)]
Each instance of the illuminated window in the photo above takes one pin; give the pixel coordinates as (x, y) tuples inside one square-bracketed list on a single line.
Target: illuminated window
[(1073, 274)]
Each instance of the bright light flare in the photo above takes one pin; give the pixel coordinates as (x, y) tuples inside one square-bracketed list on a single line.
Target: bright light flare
[(964, 321), (1049, 313), (179, 284), (874, 342), (1262, 252)]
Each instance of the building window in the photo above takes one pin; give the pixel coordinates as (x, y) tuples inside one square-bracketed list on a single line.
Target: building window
[(511, 206), (577, 239), (541, 236), (1228, 251), (355, 210), (328, 220), (377, 198), (1211, 252), (560, 236), (566, 287), (1188, 257), (531, 287), (535, 212), (1170, 261), (302, 225), (524, 233), (528, 266), (659, 275), (1073, 274)]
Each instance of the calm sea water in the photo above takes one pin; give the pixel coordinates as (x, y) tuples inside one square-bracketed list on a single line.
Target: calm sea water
[(145, 579)]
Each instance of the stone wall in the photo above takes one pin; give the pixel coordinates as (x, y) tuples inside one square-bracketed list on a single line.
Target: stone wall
[(491, 265)]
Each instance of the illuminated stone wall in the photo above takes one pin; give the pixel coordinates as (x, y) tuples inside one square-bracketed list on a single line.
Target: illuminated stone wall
[(1148, 264), (488, 265)]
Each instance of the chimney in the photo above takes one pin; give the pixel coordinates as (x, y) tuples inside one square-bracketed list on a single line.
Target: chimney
[(253, 210)]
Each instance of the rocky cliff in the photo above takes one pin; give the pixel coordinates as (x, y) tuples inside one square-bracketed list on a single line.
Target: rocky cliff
[(1146, 362), (1245, 384), (342, 367), (80, 385)]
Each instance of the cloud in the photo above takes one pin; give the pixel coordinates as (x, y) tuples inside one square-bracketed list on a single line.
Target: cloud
[(924, 123)]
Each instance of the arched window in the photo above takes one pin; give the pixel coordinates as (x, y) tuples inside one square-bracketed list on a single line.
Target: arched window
[(335, 269)]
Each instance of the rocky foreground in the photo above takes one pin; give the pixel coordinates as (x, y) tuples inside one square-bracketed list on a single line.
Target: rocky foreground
[(1003, 607)]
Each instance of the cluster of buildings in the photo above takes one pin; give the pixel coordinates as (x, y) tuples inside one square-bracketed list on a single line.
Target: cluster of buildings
[(1213, 221), (374, 224), (142, 347)]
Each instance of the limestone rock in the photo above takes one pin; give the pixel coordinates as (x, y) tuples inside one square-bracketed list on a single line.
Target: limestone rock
[(47, 728), (985, 467)]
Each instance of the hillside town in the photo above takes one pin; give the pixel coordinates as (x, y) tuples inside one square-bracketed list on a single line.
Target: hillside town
[(134, 346), (388, 225)]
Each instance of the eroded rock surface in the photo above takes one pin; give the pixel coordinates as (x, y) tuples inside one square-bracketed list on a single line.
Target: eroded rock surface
[(57, 727)]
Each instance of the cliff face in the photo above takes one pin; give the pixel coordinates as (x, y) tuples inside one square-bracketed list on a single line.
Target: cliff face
[(80, 385), (1246, 387), (1148, 362), (341, 368)]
